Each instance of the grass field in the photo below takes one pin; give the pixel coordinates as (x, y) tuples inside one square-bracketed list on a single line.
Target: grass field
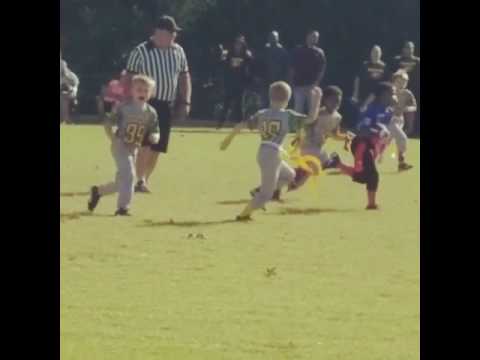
[(316, 277)]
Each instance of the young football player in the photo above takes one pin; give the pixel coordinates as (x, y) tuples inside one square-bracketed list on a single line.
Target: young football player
[(130, 124), (367, 145), (365, 148), (274, 125), (406, 105), (326, 125)]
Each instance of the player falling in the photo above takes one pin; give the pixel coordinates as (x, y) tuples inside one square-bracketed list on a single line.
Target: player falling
[(370, 140), (274, 125), (326, 125), (131, 122)]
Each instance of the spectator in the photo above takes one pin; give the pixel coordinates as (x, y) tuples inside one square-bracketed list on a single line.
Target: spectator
[(307, 70), (371, 73), (411, 64), (112, 94), (237, 75), (68, 91), (162, 59), (275, 63)]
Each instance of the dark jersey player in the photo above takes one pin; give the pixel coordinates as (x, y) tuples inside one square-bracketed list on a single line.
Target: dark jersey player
[(367, 145)]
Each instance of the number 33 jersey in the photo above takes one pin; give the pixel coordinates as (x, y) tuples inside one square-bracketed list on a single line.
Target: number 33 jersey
[(135, 123), (274, 125)]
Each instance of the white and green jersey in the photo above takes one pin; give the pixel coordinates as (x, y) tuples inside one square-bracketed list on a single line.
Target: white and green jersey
[(134, 123), (326, 125), (274, 125)]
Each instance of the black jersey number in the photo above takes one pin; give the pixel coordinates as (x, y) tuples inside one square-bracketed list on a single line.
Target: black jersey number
[(270, 129), (134, 134)]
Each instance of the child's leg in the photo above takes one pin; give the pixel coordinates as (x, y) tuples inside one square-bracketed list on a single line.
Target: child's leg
[(372, 179), (110, 187), (400, 139), (286, 175), (269, 163), (126, 177)]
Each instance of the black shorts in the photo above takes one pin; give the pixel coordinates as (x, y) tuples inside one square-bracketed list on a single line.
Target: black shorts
[(164, 121), (369, 176)]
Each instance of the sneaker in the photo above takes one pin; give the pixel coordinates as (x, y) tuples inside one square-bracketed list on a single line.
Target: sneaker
[(404, 167), (122, 212), (243, 218), (94, 198), (276, 195), (372, 207), (140, 187)]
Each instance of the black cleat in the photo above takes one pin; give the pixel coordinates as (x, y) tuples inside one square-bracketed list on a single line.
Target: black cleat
[(404, 167), (94, 198), (243, 218), (122, 212), (140, 187), (276, 195)]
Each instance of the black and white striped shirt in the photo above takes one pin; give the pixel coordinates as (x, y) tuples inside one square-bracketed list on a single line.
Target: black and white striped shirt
[(162, 65)]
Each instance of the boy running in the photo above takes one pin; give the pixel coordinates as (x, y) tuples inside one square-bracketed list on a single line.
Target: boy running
[(406, 105), (326, 125), (367, 145), (274, 125), (127, 128), (365, 148)]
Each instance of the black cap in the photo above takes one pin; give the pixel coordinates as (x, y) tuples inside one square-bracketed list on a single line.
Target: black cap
[(167, 23)]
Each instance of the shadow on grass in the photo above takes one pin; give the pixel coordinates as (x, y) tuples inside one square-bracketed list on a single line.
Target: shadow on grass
[(234, 202), (244, 202), (151, 223), (335, 173), (76, 215), (309, 211), (74, 194)]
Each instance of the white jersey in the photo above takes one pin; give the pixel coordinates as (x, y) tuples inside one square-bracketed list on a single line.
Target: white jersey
[(326, 125)]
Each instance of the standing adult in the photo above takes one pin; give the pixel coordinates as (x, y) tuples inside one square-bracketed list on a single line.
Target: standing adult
[(237, 74), (162, 59), (275, 62), (307, 70), (411, 64), (372, 72)]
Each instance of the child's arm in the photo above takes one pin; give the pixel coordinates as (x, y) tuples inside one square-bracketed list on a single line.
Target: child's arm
[(228, 140), (412, 107), (367, 102), (111, 124), (315, 100), (356, 89)]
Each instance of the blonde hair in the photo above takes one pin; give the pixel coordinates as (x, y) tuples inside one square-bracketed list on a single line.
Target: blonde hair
[(400, 74), (282, 88), (144, 80)]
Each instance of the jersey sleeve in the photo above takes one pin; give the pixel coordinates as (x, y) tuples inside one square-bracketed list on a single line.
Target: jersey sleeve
[(135, 62), (296, 120)]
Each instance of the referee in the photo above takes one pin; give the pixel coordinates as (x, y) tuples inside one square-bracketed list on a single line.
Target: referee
[(164, 61)]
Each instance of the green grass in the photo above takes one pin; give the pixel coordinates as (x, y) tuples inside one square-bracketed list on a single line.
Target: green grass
[(345, 284)]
